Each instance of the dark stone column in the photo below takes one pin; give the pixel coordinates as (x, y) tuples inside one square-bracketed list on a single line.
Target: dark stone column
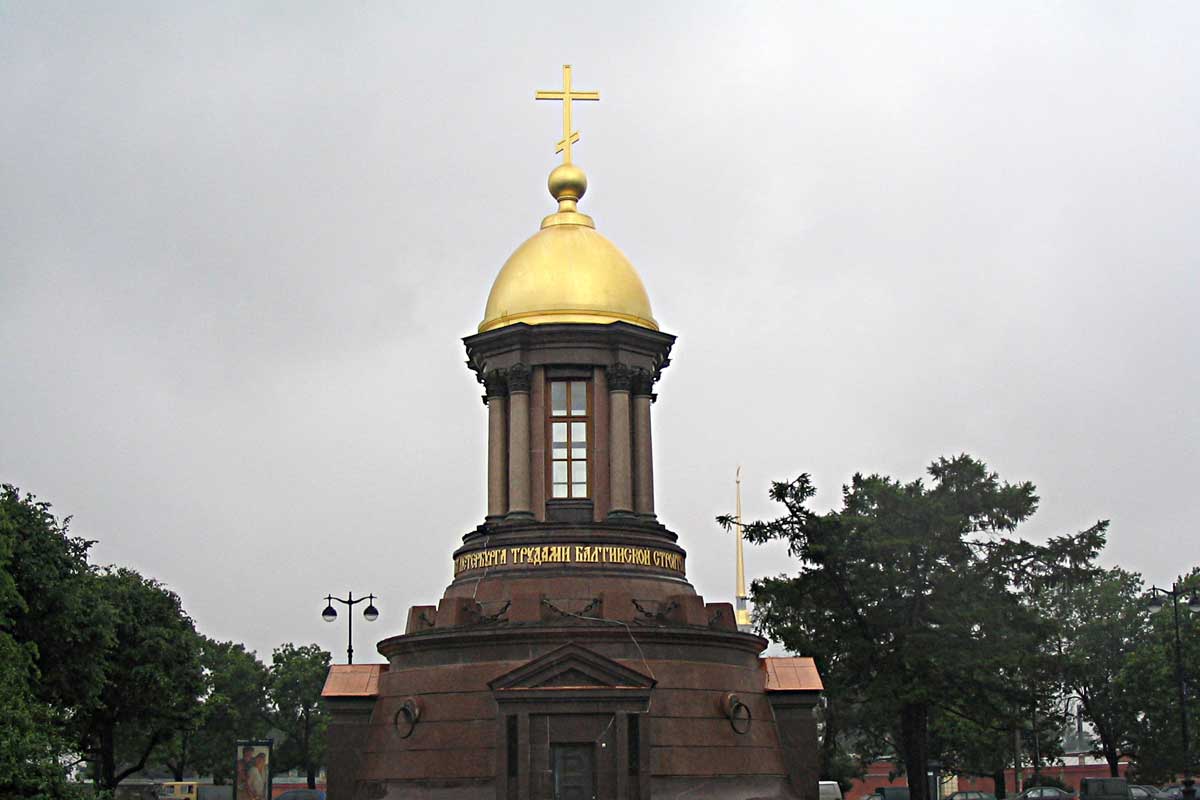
[(349, 726), (643, 451), (620, 442), (621, 723), (796, 721), (537, 444), (523, 759), (600, 445), (519, 381), (497, 465)]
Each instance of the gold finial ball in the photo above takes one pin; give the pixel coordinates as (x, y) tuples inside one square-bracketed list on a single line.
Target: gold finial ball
[(567, 182)]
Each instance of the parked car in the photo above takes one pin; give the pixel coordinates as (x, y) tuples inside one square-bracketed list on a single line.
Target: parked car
[(1140, 792), (1172, 792), (829, 790), (972, 795), (1104, 789), (889, 793), (302, 794), (1045, 793)]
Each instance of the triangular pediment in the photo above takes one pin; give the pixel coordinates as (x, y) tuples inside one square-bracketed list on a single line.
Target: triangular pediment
[(571, 667)]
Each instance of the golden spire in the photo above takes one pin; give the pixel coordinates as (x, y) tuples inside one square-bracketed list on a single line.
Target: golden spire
[(566, 95), (741, 606)]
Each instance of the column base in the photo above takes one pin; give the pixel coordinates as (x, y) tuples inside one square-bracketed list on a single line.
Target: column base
[(619, 515), (518, 516)]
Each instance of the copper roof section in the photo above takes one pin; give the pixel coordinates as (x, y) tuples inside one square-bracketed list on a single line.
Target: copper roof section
[(353, 680), (797, 673)]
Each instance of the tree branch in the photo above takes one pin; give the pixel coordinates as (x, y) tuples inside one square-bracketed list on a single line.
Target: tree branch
[(155, 739)]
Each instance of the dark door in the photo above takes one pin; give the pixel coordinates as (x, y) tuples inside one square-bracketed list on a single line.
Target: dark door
[(574, 772)]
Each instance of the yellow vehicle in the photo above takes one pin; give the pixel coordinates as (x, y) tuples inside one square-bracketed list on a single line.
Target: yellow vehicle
[(178, 790)]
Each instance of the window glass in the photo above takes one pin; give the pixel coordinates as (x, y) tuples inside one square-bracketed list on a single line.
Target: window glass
[(559, 438), (558, 398), (579, 472), (578, 398), (560, 490), (560, 471)]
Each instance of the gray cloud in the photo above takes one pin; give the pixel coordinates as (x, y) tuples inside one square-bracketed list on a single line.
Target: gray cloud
[(238, 247)]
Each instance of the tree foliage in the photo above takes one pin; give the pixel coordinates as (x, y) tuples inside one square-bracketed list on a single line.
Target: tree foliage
[(297, 675), (56, 609), (53, 631), (234, 706), (1101, 623), (912, 596), (31, 746), (104, 666), (1149, 675), (152, 678)]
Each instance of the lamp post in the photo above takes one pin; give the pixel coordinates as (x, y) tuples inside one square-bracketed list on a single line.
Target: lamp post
[(1155, 605), (370, 613)]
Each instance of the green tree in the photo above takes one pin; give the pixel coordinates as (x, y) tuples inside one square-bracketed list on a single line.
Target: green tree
[(970, 746), (914, 594), (31, 748), (846, 747), (851, 738), (234, 707), (53, 632), (1101, 623), (1149, 674), (297, 675), (57, 609), (152, 678)]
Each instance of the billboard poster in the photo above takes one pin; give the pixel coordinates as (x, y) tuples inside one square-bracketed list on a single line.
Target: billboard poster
[(252, 773)]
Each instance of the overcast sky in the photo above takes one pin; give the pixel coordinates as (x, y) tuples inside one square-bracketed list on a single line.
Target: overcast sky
[(240, 244)]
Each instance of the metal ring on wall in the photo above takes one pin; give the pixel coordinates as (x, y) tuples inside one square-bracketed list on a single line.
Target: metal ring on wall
[(738, 713), (407, 717)]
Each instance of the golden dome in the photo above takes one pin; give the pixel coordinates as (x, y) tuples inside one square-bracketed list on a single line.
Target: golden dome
[(567, 272)]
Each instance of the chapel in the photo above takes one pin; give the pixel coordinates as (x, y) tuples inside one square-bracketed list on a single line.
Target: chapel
[(569, 658)]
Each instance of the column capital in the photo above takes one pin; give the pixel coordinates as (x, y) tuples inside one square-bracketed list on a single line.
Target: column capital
[(643, 382), (520, 378), (620, 377), (495, 382)]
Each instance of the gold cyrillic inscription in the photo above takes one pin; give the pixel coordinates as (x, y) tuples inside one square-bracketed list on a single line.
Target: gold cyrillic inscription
[(549, 554)]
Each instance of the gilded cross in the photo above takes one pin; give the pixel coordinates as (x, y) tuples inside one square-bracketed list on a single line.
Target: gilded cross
[(566, 95)]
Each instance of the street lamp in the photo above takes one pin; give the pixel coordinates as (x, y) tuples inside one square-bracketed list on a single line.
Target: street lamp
[(1158, 598), (370, 613)]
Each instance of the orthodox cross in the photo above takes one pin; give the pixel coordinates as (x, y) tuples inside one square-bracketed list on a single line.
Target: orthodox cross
[(566, 95)]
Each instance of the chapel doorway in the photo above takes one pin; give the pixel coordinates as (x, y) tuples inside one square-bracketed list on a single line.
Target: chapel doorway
[(569, 727), (574, 771)]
